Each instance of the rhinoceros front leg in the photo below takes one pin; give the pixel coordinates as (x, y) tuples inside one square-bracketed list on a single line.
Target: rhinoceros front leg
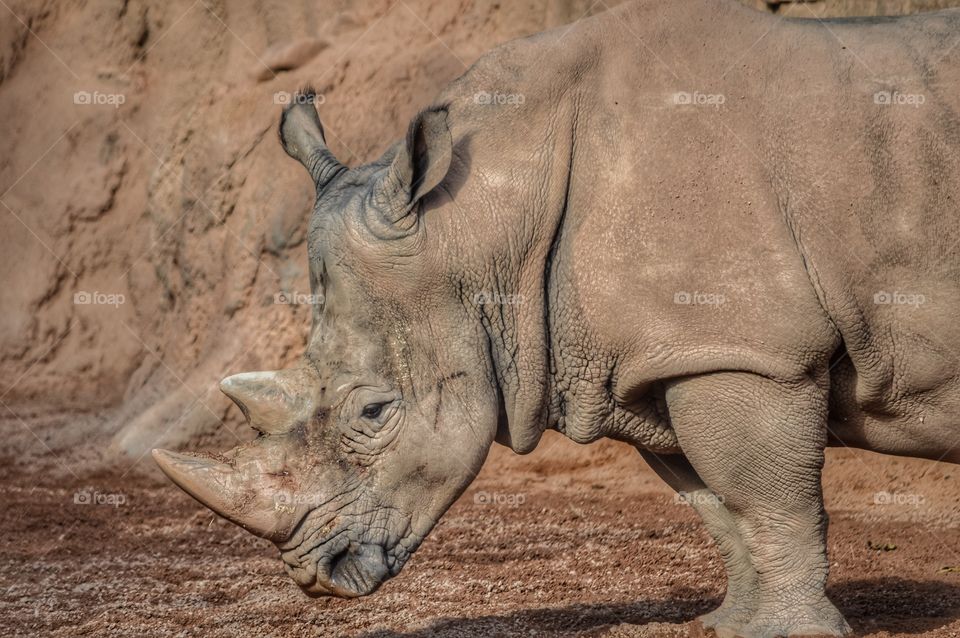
[(740, 601), (758, 444)]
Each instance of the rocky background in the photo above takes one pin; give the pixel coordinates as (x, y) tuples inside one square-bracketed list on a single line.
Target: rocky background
[(151, 227)]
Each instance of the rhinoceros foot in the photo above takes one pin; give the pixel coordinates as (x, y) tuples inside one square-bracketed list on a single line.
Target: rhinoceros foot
[(728, 615), (808, 622)]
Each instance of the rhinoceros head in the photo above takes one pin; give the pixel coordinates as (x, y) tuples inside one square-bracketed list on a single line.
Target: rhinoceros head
[(391, 412)]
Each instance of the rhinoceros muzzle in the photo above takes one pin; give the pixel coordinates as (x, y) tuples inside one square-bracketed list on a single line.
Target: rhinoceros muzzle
[(357, 570), (348, 547)]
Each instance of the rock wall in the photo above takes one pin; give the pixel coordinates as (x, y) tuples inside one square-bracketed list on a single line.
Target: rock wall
[(151, 228)]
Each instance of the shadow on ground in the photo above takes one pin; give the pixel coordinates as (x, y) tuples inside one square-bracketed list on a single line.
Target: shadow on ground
[(897, 605), (908, 607), (562, 621)]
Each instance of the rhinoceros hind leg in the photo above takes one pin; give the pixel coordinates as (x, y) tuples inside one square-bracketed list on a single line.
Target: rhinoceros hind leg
[(758, 444), (740, 601)]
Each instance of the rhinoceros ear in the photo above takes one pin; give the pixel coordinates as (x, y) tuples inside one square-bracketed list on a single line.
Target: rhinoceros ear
[(420, 165), (301, 135)]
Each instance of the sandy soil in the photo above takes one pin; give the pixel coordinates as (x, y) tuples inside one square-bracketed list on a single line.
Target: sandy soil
[(570, 541)]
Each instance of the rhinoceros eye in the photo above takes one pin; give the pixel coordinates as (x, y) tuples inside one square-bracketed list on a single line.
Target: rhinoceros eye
[(372, 410), (375, 430)]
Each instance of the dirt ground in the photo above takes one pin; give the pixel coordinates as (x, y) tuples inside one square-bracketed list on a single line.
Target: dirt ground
[(569, 541)]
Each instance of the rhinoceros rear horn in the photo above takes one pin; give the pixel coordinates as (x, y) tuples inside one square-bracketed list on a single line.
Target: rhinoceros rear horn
[(272, 402), (301, 134)]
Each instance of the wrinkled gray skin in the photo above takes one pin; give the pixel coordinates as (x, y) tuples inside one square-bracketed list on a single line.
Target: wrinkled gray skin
[(514, 267)]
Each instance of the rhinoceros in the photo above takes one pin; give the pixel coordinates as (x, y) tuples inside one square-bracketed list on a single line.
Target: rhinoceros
[(727, 239)]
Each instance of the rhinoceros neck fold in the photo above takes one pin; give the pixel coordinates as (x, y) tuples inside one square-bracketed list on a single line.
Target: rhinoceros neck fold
[(519, 246), (534, 127)]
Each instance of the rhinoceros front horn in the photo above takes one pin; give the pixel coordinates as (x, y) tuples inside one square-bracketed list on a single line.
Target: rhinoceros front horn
[(301, 135), (238, 498), (272, 402)]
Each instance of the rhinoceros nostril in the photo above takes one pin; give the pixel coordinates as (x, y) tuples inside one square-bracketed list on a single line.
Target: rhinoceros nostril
[(358, 570), (337, 562)]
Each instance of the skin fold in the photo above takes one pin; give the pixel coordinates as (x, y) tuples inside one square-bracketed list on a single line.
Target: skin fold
[(627, 228)]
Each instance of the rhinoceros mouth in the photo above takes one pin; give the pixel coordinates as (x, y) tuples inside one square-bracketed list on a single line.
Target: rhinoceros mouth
[(347, 563), (356, 571)]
